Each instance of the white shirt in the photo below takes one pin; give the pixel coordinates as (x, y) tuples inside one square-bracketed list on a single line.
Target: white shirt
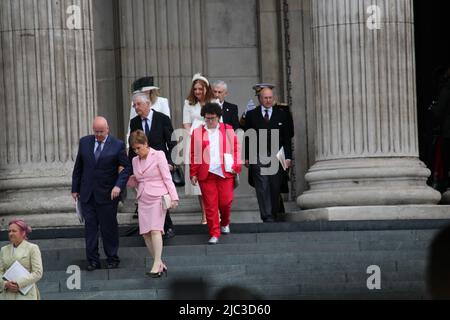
[(149, 121), (215, 163), (103, 144)]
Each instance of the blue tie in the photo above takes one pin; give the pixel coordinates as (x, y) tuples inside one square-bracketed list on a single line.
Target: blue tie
[(147, 129), (98, 151)]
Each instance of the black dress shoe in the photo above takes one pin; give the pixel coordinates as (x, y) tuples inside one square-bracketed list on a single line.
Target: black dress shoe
[(93, 267), (112, 265)]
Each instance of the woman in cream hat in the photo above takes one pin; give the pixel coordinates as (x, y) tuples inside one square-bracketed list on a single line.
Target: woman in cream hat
[(199, 95)]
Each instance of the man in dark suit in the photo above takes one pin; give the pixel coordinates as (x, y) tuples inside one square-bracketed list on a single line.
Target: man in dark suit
[(229, 110), (268, 187), (158, 129), (96, 183)]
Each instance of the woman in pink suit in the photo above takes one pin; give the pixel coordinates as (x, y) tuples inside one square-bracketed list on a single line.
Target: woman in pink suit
[(215, 160), (152, 179)]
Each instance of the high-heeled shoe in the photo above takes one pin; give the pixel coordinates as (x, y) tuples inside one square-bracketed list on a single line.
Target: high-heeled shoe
[(162, 270)]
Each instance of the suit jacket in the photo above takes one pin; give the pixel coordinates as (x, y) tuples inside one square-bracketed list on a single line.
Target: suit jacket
[(161, 105), (230, 115), (200, 154), (279, 120), (442, 109), (152, 176), (29, 256), (160, 137), (99, 178)]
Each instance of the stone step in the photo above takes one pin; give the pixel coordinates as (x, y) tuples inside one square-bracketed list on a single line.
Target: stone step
[(61, 258), (225, 276), (164, 289), (309, 282), (368, 240)]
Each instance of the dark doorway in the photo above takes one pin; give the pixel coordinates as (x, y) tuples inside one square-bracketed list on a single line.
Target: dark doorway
[(432, 37)]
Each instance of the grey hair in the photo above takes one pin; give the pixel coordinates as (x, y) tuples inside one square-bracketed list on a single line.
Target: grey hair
[(220, 83), (142, 95)]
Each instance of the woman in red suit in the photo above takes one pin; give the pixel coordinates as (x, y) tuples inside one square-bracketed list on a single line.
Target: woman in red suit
[(152, 179), (215, 160)]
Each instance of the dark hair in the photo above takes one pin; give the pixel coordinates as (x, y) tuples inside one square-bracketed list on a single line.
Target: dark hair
[(211, 108), (438, 267), (137, 136)]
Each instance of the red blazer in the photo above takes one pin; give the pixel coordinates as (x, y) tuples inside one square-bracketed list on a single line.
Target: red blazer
[(200, 154)]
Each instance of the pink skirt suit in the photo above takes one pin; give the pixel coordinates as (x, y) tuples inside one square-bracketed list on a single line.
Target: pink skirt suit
[(152, 179)]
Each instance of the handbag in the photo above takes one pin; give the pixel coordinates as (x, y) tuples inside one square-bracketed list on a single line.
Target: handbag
[(178, 176), (166, 201)]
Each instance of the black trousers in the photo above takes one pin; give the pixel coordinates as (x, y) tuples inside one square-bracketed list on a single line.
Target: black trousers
[(268, 188), (101, 219)]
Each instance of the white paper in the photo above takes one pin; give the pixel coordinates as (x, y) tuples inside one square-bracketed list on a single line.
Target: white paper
[(229, 161), (282, 158), (17, 272), (79, 212)]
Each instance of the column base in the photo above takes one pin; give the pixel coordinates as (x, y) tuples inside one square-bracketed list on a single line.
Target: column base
[(371, 213), (37, 189), (368, 182)]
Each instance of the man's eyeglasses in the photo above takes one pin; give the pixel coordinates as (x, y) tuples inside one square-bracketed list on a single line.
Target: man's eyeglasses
[(210, 118)]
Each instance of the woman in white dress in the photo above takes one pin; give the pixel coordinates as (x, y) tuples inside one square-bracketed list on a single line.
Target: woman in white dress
[(200, 94)]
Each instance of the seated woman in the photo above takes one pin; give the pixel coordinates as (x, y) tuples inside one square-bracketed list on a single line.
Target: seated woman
[(214, 161), (152, 179), (28, 255)]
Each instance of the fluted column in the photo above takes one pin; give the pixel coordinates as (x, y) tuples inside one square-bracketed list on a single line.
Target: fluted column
[(47, 101), (164, 39), (367, 140)]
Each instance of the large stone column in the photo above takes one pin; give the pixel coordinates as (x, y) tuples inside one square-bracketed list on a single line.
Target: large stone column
[(47, 101), (165, 39), (366, 144)]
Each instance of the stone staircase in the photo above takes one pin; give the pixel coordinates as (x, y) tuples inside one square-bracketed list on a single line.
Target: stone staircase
[(309, 260)]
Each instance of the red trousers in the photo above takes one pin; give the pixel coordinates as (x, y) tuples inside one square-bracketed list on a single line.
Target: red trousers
[(217, 196)]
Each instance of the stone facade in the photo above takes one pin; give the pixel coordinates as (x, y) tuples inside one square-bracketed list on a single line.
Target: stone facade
[(351, 89), (47, 101)]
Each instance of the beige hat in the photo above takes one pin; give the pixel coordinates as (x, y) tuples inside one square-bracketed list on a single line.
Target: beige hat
[(198, 76)]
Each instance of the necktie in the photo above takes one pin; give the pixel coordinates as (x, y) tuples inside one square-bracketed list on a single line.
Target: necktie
[(98, 151), (147, 129), (266, 116)]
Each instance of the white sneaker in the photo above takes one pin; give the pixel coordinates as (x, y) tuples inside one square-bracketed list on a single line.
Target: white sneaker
[(225, 230), (213, 240)]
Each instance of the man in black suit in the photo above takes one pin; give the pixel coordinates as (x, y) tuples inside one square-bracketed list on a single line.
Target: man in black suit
[(158, 129), (96, 183), (268, 187), (229, 110)]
